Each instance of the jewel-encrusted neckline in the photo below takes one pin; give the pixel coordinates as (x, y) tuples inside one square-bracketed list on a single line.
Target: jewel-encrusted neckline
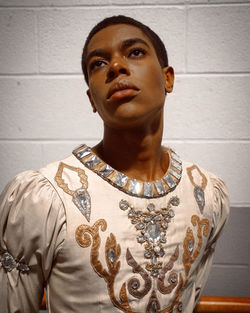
[(131, 186)]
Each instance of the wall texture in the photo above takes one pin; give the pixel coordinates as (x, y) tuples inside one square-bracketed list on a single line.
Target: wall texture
[(44, 110)]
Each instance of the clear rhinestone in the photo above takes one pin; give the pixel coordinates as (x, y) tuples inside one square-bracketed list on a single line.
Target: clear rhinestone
[(131, 213), (148, 190), (171, 213), (8, 262), (106, 170), (123, 205), (93, 161), (141, 239), (157, 218), (164, 225), (153, 306), (81, 199), (174, 173), (151, 207), (111, 255), (200, 197), (148, 254), (161, 253), (23, 268), (140, 226), (167, 219), (147, 219), (120, 179), (154, 260), (176, 165), (157, 249), (175, 157), (83, 152), (134, 220), (180, 307), (163, 240), (170, 182), (152, 232), (135, 285), (175, 201), (159, 187), (155, 273), (174, 278), (190, 245), (135, 187)]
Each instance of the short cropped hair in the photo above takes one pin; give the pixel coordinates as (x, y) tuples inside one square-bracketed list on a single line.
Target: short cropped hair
[(121, 19)]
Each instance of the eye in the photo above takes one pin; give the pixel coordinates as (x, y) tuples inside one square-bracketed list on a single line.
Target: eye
[(137, 52), (97, 64)]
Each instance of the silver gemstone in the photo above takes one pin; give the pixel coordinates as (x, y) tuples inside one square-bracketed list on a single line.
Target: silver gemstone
[(148, 254), (174, 173), (93, 161), (111, 255), (176, 165), (174, 278), (171, 213), (141, 239), (151, 207), (147, 219), (157, 218), (153, 306), (152, 232), (148, 190), (135, 187), (159, 187), (161, 253), (123, 205), (81, 199), (155, 273), (167, 219), (157, 249), (8, 262), (170, 182), (190, 245), (154, 260), (120, 179), (131, 213), (164, 225), (140, 226), (199, 197), (23, 268), (175, 201), (135, 284), (83, 152), (163, 240), (106, 170), (180, 307), (175, 157)]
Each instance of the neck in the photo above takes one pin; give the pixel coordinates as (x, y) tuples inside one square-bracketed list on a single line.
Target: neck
[(135, 152)]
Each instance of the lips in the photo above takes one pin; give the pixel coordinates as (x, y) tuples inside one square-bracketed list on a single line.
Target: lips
[(120, 86)]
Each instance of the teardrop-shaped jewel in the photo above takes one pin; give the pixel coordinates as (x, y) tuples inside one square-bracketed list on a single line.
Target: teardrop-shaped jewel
[(81, 199), (111, 255)]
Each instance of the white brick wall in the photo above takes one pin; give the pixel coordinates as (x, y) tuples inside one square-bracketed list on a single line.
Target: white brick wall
[(44, 110)]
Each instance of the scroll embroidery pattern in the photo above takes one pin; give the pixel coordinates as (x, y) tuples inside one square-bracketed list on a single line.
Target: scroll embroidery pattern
[(87, 236), (198, 190), (80, 196)]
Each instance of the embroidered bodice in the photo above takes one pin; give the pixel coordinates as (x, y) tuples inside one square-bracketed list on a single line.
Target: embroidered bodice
[(100, 244)]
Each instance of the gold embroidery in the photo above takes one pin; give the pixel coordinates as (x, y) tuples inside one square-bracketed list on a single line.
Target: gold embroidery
[(189, 254), (134, 283), (173, 277), (62, 184), (203, 177)]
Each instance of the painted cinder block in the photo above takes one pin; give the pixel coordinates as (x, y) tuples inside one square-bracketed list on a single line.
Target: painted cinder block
[(18, 41), (208, 106), (218, 38), (62, 33)]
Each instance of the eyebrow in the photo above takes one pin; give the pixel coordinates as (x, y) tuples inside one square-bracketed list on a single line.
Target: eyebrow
[(125, 44)]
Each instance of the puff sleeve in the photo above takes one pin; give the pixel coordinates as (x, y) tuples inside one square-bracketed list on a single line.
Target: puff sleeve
[(32, 230), (219, 216)]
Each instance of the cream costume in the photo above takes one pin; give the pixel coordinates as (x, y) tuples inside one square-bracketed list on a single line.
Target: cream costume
[(101, 242)]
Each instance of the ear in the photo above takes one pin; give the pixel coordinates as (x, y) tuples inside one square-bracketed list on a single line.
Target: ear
[(91, 101), (168, 73)]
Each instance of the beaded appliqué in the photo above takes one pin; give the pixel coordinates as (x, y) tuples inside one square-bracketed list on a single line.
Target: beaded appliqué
[(152, 226), (198, 190), (128, 185), (80, 196), (9, 263)]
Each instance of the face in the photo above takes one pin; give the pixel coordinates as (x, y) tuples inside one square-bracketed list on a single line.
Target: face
[(126, 82)]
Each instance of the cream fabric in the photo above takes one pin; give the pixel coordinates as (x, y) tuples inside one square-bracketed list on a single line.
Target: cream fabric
[(38, 221)]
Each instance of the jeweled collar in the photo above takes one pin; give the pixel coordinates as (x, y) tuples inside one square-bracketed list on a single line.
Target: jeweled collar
[(131, 186)]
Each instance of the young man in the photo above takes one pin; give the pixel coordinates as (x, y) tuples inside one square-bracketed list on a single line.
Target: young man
[(125, 226)]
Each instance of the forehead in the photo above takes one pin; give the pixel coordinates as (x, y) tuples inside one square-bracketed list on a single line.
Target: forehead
[(116, 34)]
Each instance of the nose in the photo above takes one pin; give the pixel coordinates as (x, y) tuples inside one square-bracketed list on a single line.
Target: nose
[(117, 67)]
